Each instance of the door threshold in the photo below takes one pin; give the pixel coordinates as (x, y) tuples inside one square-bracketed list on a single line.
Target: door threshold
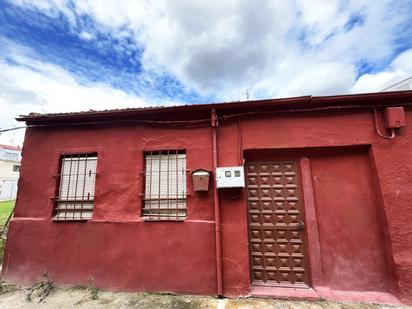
[(285, 292), (324, 293), (380, 297)]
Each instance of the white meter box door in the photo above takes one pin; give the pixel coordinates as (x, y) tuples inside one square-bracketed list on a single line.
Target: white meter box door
[(230, 177)]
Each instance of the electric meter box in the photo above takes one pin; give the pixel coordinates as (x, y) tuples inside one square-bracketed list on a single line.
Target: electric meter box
[(230, 177), (394, 117)]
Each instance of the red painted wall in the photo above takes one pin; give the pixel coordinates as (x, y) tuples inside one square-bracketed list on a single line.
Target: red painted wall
[(361, 187), (116, 247), (352, 253)]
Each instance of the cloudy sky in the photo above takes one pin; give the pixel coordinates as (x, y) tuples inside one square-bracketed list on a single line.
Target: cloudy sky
[(65, 55)]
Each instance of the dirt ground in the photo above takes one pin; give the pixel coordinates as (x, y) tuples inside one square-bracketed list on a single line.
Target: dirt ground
[(46, 296)]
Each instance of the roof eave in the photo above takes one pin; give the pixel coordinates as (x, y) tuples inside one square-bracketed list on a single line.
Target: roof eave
[(376, 99)]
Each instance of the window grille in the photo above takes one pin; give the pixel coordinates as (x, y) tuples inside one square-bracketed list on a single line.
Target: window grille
[(76, 189), (11, 156), (165, 185)]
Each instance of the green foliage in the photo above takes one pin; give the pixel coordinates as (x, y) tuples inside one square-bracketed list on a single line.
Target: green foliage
[(2, 245), (6, 208)]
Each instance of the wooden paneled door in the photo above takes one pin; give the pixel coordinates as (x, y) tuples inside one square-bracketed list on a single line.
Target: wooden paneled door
[(276, 225)]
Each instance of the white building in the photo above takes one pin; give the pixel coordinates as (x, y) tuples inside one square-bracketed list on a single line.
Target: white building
[(10, 157), (405, 84)]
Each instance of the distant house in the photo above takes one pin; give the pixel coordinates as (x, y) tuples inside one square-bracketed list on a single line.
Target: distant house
[(305, 197), (405, 84), (10, 157)]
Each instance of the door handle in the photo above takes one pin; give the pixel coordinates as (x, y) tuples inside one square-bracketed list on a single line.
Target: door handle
[(300, 226)]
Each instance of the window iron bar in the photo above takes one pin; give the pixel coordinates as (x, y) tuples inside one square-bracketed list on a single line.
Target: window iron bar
[(84, 180), (177, 181), (61, 210), (150, 174), (160, 168), (77, 179), (168, 157), (163, 199), (162, 173), (68, 184), (60, 175), (58, 199), (70, 204)]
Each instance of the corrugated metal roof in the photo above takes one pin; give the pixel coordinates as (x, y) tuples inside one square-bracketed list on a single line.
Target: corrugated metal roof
[(152, 108), (133, 109), (398, 97), (92, 111)]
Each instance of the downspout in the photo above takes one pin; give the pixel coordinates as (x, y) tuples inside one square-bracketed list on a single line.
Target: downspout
[(216, 204), (240, 141)]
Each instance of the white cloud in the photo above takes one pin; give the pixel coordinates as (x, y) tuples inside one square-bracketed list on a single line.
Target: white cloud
[(29, 85), (404, 61), (272, 48), (399, 69), (86, 35), (326, 78)]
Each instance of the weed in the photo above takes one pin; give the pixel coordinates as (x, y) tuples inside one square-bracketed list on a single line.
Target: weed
[(5, 287), (94, 292), (40, 290)]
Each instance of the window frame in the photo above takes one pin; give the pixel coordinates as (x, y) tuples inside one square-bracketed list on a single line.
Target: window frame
[(169, 216), (81, 153), (11, 156)]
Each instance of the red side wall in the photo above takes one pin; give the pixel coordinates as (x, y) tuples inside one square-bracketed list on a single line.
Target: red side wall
[(116, 248), (361, 194)]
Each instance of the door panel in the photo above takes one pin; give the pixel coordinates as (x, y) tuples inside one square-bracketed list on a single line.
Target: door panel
[(351, 222), (276, 224)]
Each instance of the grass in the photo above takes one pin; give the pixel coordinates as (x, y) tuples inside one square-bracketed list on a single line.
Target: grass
[(6, 208)]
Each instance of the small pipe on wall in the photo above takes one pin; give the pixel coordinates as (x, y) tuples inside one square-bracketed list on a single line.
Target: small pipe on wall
[(376, 122), (240, 141), (216, 204)]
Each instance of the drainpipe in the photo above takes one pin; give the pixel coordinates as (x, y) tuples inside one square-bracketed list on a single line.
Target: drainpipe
[(216, 204)]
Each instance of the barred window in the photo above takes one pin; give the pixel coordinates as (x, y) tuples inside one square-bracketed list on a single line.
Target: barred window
[(76, 188), (12, 156), (165, 185)]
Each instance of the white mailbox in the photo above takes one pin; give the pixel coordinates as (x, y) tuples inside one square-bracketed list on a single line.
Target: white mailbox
[(230, 177)]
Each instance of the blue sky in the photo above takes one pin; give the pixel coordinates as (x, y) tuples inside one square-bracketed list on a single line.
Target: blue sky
[(65, 55), (105, 58)]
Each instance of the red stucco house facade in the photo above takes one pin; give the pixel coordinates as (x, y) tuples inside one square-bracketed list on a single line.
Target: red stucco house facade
[(325, 211)]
